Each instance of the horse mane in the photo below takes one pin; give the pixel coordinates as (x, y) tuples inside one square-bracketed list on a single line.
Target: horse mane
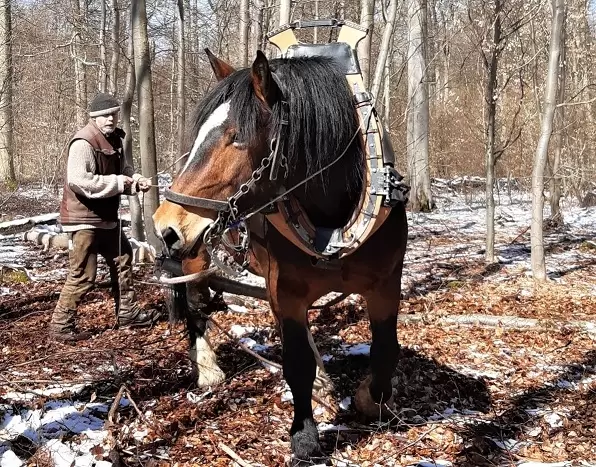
[(322, 115)]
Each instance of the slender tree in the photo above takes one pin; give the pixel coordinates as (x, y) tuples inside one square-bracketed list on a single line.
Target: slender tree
[(103, 73), (181, 93), (136, 213), (7, 172), (418, 110), (284, 11), (367, 13), (115, 61), (549, 106), (384, 51), (147, 146), (243, 27), (80, 72), (555, 180)]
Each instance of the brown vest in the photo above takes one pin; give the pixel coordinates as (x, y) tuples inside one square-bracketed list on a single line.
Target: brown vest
[(78, 209)]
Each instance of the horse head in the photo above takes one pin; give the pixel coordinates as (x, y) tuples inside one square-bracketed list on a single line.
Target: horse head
[(228, 139)]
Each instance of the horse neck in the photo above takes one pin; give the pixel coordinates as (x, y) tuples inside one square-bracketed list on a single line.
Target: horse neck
[(329, 200)]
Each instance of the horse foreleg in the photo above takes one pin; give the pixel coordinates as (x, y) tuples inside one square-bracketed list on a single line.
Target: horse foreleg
[(201, 352), (299, 369), (375, 392)]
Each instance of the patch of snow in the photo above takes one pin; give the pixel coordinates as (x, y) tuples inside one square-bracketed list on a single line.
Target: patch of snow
[(323, 427), (327, 358), (253, 345), (510, 445), (345, 403), (139, 435), (60, 453), (49, 391), (9, 459), (554, 420), (544, 464), (356, 349), (432, 463), (238, 331), (237, 308)]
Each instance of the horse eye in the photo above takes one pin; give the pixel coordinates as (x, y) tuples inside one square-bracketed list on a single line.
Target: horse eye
[(237, 143)]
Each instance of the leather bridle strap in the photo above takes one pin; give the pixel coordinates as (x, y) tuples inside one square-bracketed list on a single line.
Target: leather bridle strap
[(195, 201)]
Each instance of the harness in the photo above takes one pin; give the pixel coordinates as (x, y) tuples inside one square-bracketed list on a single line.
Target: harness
[(383, 186)]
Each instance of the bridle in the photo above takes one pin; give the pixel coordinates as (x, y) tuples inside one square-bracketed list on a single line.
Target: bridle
[(228, 218)]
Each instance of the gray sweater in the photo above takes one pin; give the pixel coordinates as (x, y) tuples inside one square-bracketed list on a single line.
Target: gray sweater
[(82, 179)]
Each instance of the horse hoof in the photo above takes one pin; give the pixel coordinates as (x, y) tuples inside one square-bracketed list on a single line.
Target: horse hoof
[(366, 405), (210, 377)]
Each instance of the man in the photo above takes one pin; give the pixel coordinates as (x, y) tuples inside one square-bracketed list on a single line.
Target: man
[(96, 175)]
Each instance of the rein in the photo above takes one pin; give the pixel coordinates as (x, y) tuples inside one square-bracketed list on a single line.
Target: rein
[(228, 218)]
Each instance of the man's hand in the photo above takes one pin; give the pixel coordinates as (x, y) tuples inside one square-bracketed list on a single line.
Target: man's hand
[(144, 184), (128, 181)]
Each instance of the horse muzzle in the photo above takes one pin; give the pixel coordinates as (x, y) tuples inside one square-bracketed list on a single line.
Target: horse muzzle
[(177, 247)]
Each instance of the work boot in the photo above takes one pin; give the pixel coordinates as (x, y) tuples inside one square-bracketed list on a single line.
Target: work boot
[(63, 327), (135, 317), (69, 337)]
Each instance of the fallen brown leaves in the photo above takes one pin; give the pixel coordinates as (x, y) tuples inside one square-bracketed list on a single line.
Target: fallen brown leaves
[(471, 395)]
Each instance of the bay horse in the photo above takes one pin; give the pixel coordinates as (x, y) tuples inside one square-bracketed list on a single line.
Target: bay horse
[(231, 135)]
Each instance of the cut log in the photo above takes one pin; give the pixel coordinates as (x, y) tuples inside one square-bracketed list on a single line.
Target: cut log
[(224, 284), (47, 239), (505, 322), (18, 225)]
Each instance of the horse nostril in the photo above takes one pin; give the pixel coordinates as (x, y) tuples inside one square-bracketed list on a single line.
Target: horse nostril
[(171, 238)]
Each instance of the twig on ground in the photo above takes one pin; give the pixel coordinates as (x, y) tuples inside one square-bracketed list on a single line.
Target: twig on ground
[(114, 407), (233, 455), (242, 346), (521, 234), (132, 402)]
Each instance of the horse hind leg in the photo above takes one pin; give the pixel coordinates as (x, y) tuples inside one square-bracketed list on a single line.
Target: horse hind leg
[(374, 397), (201, 353)]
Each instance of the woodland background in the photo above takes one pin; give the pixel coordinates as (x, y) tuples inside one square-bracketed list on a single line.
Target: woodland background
[(462, 86)]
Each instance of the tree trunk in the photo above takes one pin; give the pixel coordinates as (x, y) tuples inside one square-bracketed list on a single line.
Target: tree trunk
[(367, 12), (146, 115), (387, 94), (284, 11), (315, 33), (492, 63), (257, 25), (79, 66), (243, 26), (136, 214), (385, 48), (7, 172), (113, 83), (555, 180), (181, 110), (549, 107), (103, 74), (418, 167)]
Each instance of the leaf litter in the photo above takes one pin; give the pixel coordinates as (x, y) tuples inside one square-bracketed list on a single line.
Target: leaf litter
[(466, 395)]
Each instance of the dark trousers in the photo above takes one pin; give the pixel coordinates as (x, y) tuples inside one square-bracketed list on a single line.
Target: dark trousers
[(84, 247)]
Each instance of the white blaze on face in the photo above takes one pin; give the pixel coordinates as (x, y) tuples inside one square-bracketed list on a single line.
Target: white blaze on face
[(215, 120)]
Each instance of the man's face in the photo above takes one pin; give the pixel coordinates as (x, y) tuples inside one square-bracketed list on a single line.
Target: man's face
[(107, 123)]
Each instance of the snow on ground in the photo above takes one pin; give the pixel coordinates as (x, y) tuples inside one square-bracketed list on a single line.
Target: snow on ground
[(69, 429)]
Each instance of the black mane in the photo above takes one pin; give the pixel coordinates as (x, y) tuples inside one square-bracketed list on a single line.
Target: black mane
[(322, 116)]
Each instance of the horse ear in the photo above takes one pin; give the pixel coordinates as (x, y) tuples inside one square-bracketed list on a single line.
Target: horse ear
[(263, 83), (220, 68)]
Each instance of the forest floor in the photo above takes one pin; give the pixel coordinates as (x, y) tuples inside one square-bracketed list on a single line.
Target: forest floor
[(467, 395)]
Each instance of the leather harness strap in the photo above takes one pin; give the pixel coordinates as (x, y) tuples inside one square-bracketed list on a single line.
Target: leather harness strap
[(373, 208)]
